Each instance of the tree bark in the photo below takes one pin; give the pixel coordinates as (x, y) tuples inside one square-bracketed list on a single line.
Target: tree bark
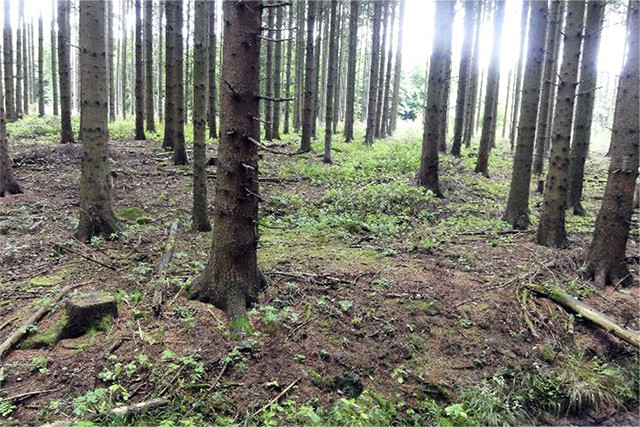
[(64, 61), (179, 151), (140, 89), (491, 99), (606, 256), (469, 126), (505, 119), (96, 212), (585, 103), (268, 78), (287, 90), (317, 72), (381, 71), (307, 109), (54, 62), (200, 77), (386, 104), (21, 61), (443, 28), (351, 71), (393, 120), (231, 278), (10, 103), (110, 65), (517, 212), (148, 42), (331, 77), (526, 7), (442, 129), (170, 70), (277, 73), (123, 61), (40, 67), (213, 131), (373, 74), (160, 62), (551, 228), (8, 183)]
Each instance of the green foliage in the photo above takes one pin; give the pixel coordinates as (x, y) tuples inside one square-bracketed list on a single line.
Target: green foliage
[(412, 94)]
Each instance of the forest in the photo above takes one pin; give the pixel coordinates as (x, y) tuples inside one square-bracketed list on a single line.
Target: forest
[(319, 212)]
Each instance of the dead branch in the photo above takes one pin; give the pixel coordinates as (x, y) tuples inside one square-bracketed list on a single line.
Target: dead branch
[(265, 148), (278, 397), (23, 396), (272, 99), (61, 248), (161, 269)]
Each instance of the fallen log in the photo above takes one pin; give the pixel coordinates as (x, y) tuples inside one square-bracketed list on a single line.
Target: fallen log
[(121, 411), (15, 337), (161, 269), (601, 320)]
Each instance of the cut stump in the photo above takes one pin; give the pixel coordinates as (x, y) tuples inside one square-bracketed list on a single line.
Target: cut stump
[(86, 311)]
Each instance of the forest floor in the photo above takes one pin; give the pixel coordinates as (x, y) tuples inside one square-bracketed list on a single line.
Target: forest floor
[(375, 286)]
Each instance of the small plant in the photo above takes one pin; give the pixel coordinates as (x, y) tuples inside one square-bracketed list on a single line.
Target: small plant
[(39, 363)]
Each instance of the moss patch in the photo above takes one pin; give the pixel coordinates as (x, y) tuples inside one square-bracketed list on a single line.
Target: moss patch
[(46, 338), (48, 281), (131, 214)]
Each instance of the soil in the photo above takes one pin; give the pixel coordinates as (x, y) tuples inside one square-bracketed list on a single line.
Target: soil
[(446, 321)]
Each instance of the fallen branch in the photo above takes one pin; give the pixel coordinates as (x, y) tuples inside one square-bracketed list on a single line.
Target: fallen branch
[(161, 269), (489, 233), (61, 248), (8, 322), (23, 396), (574, 305), (15, 337), (278, 397)]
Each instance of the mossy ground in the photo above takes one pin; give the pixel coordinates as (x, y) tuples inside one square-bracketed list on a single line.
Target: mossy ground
[(420, 297)]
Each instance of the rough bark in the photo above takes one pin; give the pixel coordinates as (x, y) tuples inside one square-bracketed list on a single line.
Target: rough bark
[(463, 75), (606, 257), (21, 62), (10, 102), (200, 77), (373, 74), (585, 103), (474, 72), (551, 228), (337, 90), (317, 71), (8, 183), (386, 104), (505, 119), (148, 43), (231, 278), (517, 212), (395, 98), (277, 74), (526, 7), (381, 71), (160, 62), (443, 27), (287, 87), (268, 78), (140, 89), (54, 61), (299, 80), (491, 98), (331, 77), (96, 212), (64, 61), (170, 70), (40, 67), (548, 82), (123, 60), (442, 129), (211, 115), (351, 71), (179, 151), (309, 71)]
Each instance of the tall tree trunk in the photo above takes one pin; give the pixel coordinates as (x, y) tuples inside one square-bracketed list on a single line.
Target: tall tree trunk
[(585, 103), (351, 71), (551, 228), (40, 66), (307, 109), (21, 61), (110, 66), (384, 124), (548, 85), (31, 69), (443, 28), (96, 212), (365, 77), (54, 62), (474, 71), (299, 81), (317, 71), (187, 63), (10, 102), (200, 77), (556, 81), (517, 212), (526, 7), (64, 61), (442, 130), (508, 97), (463, 76), (324, 56), (268, 80), (231, 278), (393, 120), (287, 88), (170, 70), (373, 74), (337, 90), (140, 89), (277, 73), (148, 42), (381, 71), (8, 183), (213, 131), (491, 99), (607, 254), (179, 151), (123, 61), (160, 61), (331, 77)]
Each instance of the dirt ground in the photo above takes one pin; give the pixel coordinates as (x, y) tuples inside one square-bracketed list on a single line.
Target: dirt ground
[(438, 320)]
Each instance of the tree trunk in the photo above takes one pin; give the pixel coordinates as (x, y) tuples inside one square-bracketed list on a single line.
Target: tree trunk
[(393, 120), (10, 103), (491, 99), (337, 90), (526, 7), (505, 119), (179, 151), (463, 76), (606, 257), (384, 124), (160, 62), (148, 42), (287, 90), (140, 89), (123, 61), (551, 228), (40, 67), (443, 28), (517, 212), (351, 71), (27, 66), (307, 109), (200, 77), (8, 183), (381, 71), (54, 62), (555, 82), (317, 71), (231, 278), (268, 79), (96, 212), (585, 103), (187, 64), (548, 82), (299, 81), (331, 77), (474, 72), (442, 130), (21, 61), (277, 73), (213, 131), (373, 74), (110, 65), (64, 61), (170, 70)]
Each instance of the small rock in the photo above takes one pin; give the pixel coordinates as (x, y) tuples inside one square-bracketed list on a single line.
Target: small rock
[(86, 311)]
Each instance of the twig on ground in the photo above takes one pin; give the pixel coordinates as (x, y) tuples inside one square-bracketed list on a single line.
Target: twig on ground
[(278, 397)]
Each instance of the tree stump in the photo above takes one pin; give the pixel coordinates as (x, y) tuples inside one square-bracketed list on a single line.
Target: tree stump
[(86, 311)]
